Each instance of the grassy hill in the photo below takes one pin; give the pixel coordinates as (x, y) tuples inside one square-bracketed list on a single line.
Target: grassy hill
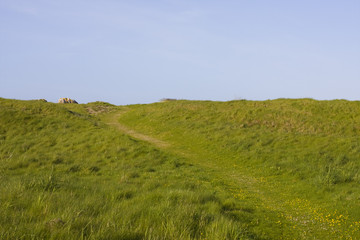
[(280, 169)]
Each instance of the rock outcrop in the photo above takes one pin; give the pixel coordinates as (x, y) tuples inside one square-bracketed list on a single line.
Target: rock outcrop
[(67, 100)]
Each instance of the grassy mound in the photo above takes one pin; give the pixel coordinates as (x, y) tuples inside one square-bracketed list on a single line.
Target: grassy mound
[(281, 169), (64, 174), (304, 154)]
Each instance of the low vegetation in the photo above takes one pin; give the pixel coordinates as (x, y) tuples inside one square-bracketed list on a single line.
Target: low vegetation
[(297, 157), (281, 169)]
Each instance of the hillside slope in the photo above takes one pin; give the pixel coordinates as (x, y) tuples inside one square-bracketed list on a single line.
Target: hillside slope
[(64, 174), (281, 169), (299, 158)]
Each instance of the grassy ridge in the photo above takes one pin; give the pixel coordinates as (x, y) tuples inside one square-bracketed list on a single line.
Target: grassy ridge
[(302, 137), (64, 174), (282, 169), (303, 153)]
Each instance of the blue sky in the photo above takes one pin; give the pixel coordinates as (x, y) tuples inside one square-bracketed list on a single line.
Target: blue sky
[(127, 52)]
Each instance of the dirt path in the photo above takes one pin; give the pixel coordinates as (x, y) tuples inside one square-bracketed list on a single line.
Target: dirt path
[(114, 122)]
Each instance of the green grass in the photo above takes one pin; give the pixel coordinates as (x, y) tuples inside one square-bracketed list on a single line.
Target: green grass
[(301, 156), (67, 175), (282, 169)]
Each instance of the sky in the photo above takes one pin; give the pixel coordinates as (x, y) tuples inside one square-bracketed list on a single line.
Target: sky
[(140, 51)]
